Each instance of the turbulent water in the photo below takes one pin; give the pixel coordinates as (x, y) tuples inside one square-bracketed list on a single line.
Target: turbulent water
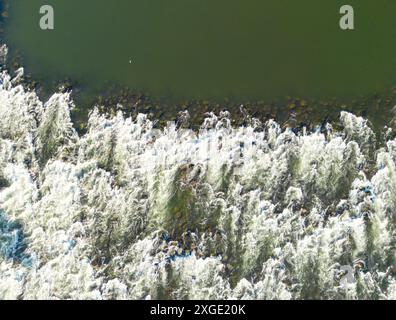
[(127, 211)]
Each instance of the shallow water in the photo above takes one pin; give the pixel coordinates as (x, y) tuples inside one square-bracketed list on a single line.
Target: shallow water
[(243, 50)]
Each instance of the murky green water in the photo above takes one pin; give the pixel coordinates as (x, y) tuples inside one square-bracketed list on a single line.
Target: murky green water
[(205, 49)]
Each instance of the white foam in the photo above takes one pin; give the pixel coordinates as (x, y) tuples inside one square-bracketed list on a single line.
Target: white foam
[(273, 215)]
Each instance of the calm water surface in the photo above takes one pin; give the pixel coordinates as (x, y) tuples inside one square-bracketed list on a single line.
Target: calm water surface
[(240, 49)]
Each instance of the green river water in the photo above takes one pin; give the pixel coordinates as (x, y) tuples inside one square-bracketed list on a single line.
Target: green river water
[(246, 49), (250, 50)]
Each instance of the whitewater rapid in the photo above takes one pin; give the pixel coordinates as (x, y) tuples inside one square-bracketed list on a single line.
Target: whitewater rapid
[(127, 211)]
